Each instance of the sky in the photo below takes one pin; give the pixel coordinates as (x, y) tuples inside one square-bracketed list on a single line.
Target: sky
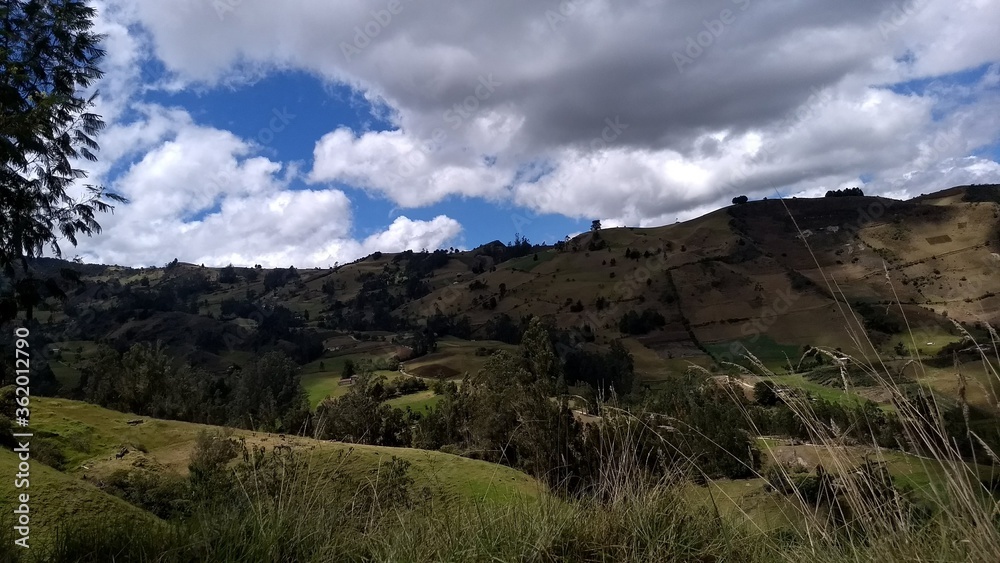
[(308, 133)]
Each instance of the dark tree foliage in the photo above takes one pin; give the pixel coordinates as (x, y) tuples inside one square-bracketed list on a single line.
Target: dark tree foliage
[(707, 428), (633, 254), (274, 279), (269, 396), (800, 281), (422, 342), (846, 192), (504, 414), (503, 328), (362, 417), (48, 55), (500, 252), (228, 275), (605, 372), (349, 370), (179, 293), (740, 200), (641, 323), (146, 380), (423, 264), (450, 325), (597, 243), (765, 395), (878, 318), (329, 288), (242, 308)]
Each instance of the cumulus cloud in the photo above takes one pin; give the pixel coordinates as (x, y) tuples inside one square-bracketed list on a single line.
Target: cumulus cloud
[(208, 196), (701, 86), (636, 111), (204, 194)]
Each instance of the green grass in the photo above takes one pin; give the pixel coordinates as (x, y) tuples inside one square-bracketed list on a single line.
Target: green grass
[(89, 435), (56, 499), (322, 384), (454, 356), (528, 263), (418, 402), (64, 499), (71, 354), (938, 339), (820, 391), (771, 353)]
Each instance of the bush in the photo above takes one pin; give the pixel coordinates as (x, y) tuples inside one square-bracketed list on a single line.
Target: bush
[(641, 323), (48, 452), (765, 395)]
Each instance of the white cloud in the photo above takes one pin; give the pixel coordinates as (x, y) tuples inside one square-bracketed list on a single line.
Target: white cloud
[(206, 196), (713, 99)]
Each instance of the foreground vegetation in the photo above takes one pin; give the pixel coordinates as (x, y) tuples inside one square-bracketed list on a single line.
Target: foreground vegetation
[(640, 475), (279, 506)]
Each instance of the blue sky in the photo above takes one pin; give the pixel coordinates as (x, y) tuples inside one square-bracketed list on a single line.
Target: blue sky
[(300, 133), (304, 109)]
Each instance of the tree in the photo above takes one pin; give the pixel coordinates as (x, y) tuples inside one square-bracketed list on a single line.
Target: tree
[(846, 192), (361, 416), (349, 370), (595, 227), (740, 200), (228, 275), (539, 357), (269, 396), (49, 56), (765, 394)]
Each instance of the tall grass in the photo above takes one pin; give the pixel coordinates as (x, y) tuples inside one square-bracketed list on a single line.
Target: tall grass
[(287, 511)]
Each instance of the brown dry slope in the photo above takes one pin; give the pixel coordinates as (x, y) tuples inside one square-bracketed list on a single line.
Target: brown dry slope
[(775, 275)]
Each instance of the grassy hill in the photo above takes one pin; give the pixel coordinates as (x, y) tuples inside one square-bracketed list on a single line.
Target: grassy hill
[(85, 441), (58, 499), (89, 437)]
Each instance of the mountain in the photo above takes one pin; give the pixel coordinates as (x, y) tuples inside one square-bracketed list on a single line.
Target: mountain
[(772, 277)]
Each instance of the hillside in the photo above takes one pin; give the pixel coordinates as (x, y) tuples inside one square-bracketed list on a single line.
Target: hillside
[(954, 232), (772, 277), (768, 269), (89, 444)]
